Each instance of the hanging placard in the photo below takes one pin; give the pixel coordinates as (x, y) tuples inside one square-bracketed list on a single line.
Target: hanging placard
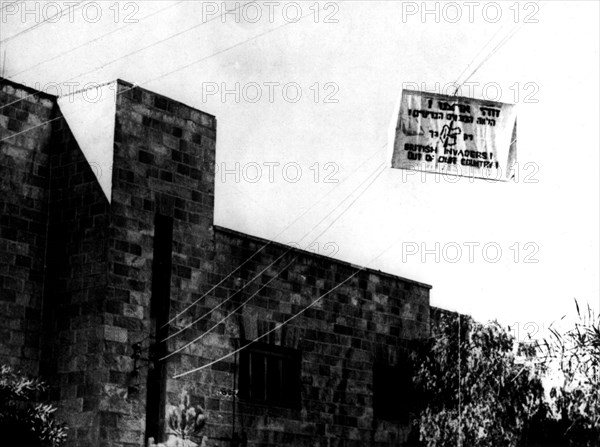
[(457, 135)]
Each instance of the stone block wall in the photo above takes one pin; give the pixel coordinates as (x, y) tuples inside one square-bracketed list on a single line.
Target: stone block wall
[(372, 317), (76, 282), (163, 164), (102, 289), (25, 134), (53, 257)]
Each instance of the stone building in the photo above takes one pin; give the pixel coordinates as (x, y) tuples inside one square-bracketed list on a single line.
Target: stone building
[(91, 285)]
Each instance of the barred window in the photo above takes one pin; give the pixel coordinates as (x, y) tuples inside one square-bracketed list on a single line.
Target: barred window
[(270, 375)]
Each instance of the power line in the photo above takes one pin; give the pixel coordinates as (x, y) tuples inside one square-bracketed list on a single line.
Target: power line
[(275, 276), (156, 78), (262, 248), (257, 252), (280, 325), (100, 67), (204, 334), (158, 42), (186, 66), (475, 57), (9, 4), (59, 13), (3, 51), (171, 72), (221, 51), (95, 39), (76, 92), (494, 51), (498, 46), (176, 351), (381, 165), (270, 242)]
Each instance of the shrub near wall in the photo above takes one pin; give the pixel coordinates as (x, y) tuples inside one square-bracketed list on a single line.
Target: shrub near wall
[(476, 392), (22, 421)]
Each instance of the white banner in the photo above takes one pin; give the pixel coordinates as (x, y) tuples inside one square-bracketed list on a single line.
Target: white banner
[(455, 135)]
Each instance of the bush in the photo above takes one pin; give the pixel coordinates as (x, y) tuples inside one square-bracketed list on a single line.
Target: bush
[(22, 421), (476, 391), (575, 357)]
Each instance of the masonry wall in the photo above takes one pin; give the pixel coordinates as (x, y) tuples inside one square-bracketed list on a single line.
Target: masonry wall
[(98, 288), (24, 174), (73, 357), (52, 257), (373, 316), (163, 163)]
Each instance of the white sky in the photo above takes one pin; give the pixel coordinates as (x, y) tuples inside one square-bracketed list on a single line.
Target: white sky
[(367, 56)]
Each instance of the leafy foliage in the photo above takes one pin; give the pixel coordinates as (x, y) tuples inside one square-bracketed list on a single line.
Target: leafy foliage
[(575, 354), (186, 421), (477, 392), (17, 409)]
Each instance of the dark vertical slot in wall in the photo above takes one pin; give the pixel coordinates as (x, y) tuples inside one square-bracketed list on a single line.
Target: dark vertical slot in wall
[(55, 298), (159, 310)]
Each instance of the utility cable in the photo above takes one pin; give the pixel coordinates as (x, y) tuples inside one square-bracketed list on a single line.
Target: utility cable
[(259, 274), (156, 78), (64, 53), (26, 30), (201, 336), (100, 67), (280, 325), (498, 46)]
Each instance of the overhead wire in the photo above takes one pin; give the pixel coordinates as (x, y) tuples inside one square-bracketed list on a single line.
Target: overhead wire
[(46, 20), (231, 273), (157, 42), (100, 67), (195, 321), (168, 73), (64, 53), (171, 72), (240, 306), (498, 46), (287, 321), (3, 50), (177, 376), (6, 4), (125, 90), (300, 216), (473, 60), (201, 336), (491, 53), (176, 70)]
